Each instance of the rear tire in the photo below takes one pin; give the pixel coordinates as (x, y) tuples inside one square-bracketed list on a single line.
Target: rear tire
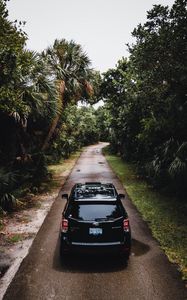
[(125, 257)]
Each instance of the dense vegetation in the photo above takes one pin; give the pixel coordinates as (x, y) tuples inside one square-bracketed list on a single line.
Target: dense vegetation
[(165, 215), (146, 97), (39, 119), (145, 111)]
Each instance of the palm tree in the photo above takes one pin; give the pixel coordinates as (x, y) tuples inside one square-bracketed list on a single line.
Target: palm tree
[(36, 94), (70, 67)]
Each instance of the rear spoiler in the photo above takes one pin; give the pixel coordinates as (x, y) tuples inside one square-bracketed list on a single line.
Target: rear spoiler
[(93, 183), (89, 200), (96, 220)]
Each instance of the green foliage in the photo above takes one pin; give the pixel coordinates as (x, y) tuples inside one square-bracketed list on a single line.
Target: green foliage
[(103, 120), (75, 81), (36, 96), (27, 93), (12, 41), (87, 126), (70, 64), (146, 99), (8, 182), (8, 202), (171, 229), (14, 238), (78, 128)]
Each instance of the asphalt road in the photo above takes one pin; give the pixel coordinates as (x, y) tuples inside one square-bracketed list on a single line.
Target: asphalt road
[(148, 274)]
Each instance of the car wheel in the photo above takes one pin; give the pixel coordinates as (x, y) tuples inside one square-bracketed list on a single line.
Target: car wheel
[(125, 257)]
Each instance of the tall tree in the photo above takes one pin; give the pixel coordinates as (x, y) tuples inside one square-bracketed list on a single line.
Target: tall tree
[(149, 110), (70, 66), (26, 88)]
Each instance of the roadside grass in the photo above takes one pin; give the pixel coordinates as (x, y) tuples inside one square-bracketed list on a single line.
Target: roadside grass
[(64, 164), (14, 238), (26, 193), (17, 237), (166, 216), (59, 168), (29, 198)]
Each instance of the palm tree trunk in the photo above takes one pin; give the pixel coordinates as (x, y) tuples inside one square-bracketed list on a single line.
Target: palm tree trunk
[(61, 88), (50, 133)]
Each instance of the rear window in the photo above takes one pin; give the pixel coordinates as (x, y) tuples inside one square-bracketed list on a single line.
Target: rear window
[(88, 212)]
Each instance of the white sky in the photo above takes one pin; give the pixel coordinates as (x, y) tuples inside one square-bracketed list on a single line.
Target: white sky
[(102, 27)]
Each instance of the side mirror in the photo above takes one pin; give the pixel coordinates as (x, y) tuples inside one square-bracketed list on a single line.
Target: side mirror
[(65, 196), (121, 196)]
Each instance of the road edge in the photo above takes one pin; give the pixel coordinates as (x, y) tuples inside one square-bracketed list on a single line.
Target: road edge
[(8, 277)]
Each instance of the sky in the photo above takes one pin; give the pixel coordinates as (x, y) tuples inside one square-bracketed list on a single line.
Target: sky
[(102, 27)]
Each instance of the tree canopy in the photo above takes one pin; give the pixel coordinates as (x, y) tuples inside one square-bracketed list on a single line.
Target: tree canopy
[(146, 96), (37, 91)]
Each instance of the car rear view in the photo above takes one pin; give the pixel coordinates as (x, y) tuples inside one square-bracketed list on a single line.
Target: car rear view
[(95, 222)]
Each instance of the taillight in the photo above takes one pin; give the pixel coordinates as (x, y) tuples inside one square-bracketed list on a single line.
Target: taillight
[(64, 225), (126, 226)]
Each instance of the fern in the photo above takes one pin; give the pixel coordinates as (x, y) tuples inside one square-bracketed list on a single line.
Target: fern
[(7, 182), (8, 202), (177, 168)]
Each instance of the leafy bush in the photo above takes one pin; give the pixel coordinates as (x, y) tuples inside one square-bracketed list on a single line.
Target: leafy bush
[(146, 99), (8, 202), (8, 182)]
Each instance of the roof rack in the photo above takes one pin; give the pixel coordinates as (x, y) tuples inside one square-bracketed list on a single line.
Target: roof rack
[(85, 190), (93, 183)]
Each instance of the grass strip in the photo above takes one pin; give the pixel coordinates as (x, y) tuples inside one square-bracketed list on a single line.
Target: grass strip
[(58, 169), (166, 216)]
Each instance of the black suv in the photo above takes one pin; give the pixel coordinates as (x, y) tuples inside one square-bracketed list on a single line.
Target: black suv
[(94, 220)]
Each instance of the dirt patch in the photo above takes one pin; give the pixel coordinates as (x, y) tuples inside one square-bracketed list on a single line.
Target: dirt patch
[(19, 231)]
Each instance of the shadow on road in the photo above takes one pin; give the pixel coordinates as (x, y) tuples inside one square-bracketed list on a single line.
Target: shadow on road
[(139, 248), (87, 263), (95, 263), (92, 264)]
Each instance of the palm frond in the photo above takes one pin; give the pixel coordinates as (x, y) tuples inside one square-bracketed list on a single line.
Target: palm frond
[(182, 151), (177, 168), (8, 202), (7, 180)]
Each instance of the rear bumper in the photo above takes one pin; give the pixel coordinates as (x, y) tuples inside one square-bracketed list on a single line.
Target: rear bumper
[(96, 248)]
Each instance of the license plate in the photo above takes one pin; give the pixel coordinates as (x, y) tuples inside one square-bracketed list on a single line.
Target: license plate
[(95, 231)]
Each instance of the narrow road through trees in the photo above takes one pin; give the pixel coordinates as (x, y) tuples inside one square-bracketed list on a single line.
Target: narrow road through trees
[(148, 274)]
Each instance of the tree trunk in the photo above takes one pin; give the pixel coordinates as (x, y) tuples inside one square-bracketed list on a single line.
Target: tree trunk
[(55, 121)]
